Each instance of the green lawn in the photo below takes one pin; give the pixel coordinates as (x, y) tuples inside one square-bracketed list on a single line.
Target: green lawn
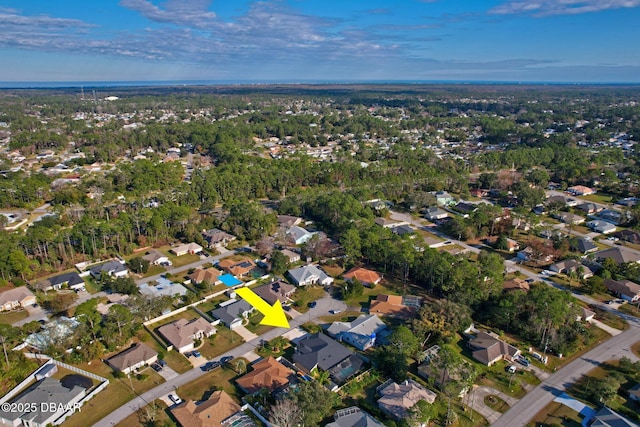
[(631, 309), (13, 316), (598, 198), (117, 393), (153, 270), (496, 403), (255, 326), (609, 319), (556, 414), (305, 294), (92, 286), (220, 378), (175, 360), (221, 342), (179, 261)]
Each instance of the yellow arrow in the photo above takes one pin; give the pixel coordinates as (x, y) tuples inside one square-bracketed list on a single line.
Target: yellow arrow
[(273, 314)]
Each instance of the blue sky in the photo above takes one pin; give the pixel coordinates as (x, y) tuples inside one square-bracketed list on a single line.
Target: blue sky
[(320, 40)]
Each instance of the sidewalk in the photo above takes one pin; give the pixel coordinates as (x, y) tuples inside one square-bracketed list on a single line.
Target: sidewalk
[(608, 329)]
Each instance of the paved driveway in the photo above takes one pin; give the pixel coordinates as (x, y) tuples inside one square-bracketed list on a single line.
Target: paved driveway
[(477, 401), (246, 334)]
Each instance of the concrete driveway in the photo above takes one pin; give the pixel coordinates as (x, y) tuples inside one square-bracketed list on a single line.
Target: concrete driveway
[(246, 334), (477, 401)]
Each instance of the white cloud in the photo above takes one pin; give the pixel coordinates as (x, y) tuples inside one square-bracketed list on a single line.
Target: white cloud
[(179, 12), (560, 7)]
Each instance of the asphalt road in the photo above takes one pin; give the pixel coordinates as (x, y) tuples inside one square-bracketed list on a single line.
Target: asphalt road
[(534, 401), (321, 309)]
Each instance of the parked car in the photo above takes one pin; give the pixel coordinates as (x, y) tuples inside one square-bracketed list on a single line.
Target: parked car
[(312, 304), (226, 359), (175, 399), (196, 353), (156, 367), (336, 311), (211, 365), (523, 361), (512, 369)]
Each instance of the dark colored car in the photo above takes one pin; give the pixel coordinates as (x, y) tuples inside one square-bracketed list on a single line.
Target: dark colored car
[(211, 365), (312, 304)]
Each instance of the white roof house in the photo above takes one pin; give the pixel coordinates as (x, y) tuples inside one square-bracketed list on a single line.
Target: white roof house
[(309, 274)]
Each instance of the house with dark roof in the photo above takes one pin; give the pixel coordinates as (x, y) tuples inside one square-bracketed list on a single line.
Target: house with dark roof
[(570, 266), (488, 348), (583, 245), (319, 351), (589, 208), (72, 280), (360, 333), (434, 213), (617, 254), (465, 209), (625, 289), (403, 230), (308, 275), (606, 417), (630, 236), (134, 357), (612, 216), (267, 374), (61, 403), (233, 313), (353, 417), (365, 276), (216, 238), (287, 221), (112, 268), (275, 291), (397, 399), (182, 333), (16, 297)]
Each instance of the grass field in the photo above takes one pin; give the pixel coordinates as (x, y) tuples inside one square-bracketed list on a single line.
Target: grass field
[(219, 343), (556, 414), (117, 393), (304, 295), (255, 326), (175, 360), (220, 378), (13, 316), (496, 403), (631, 309)]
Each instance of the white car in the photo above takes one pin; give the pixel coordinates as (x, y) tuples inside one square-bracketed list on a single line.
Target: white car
[(512, 369), (175, 399), (336, 311)]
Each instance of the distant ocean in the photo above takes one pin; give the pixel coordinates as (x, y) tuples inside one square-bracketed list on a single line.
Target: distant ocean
[(112, 84)]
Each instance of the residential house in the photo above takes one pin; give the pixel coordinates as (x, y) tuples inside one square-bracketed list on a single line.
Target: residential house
[(366, 277), (134, 357), (15, 298), (612, 216), (515, 284), (209, 275), (617, 254), (527, 254), (360, 333), (606, 417), (562, 200), (288, 221), (299, 235), (60, 403), (56, 331), (391, 305), (275, 291), (319, 351), (583, 245), (111, 268), (353, 417), (216, 238), (291, 256), (233, 313), (630, 236), (218, 410), (188, 248), (182, 333), (570, 266), (71, 280), (398, 399), (435, 213), (155, 257), (388, 223), (580, 190), (588, 208), (267, 374), (625, 289), (403, 230), (512, 245), (569, 218), (601, 226), (237, 268), (309, 274), (488, 348), (443, 198), (465, 209), (163, 287)]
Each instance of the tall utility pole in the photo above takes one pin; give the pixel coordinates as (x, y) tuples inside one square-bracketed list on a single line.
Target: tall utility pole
[(4, 348)]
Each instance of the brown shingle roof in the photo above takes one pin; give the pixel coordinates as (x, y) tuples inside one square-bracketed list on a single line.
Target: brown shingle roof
[(180, 332), (363, 275), (268, 373), (132, 356), (209, 275), (398, 399), (275, 291), (390, 305), (209, 413), (487, 348)]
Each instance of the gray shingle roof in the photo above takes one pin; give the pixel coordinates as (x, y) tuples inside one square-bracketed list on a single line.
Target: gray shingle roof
[(321, 351)]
